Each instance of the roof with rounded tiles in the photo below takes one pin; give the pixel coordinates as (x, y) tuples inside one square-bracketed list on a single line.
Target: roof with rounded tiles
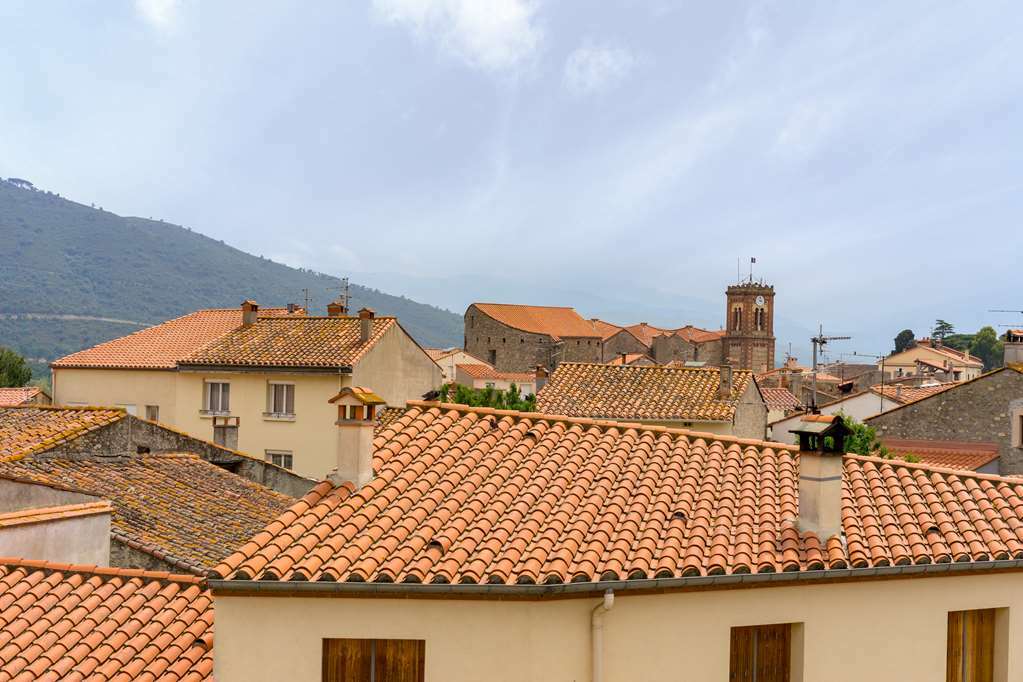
[(66, 622), (640, 392), (555, 321), (35, 428), (9, 397), (474, 495)]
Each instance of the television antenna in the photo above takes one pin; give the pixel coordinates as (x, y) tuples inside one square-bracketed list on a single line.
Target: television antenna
[(819, 342)]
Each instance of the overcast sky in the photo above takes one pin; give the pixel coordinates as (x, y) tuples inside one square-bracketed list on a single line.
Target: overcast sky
[(868, 154)]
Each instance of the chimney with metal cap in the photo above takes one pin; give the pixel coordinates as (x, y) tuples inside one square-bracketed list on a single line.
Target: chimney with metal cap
[(336, 309), (357, 412), (821, 446), (366, 316), (250, 312), (725, 384)]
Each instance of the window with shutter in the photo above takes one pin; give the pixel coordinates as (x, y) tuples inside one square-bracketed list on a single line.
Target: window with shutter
[(374, 660), (971, 646), (761, 653)]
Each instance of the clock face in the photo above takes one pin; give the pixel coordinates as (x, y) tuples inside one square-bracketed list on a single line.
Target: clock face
[(760, 300)]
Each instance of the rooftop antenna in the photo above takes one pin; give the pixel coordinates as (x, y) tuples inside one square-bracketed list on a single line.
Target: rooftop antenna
[(819, 342), (343, 296), (882, 359), (305, 294)]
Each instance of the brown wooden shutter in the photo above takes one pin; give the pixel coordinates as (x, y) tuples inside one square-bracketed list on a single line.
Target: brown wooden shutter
[(347, 660), (971, 646), (374, 660), (761, 653), (742, 655), (400, 660)]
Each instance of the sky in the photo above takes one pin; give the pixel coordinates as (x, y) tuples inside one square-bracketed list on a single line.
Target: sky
[(627, 157)]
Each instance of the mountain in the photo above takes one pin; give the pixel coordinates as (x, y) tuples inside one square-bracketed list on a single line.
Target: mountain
[(74, 276)]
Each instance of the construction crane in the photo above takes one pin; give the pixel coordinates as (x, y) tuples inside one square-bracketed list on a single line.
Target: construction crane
[(819, 342)]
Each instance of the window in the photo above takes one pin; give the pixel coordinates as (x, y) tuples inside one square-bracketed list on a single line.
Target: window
[(761, 653), (153, 413), (130, 409), (217, 396), (281, 458), (492, 356), (970, 655), (280, 399), (490, 384), (374, 660), (736, 317), (1017, 428)]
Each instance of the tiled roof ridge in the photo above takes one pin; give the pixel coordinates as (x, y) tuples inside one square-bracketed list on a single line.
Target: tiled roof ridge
[(62, 511), (109, 571), (673, 368), (607, 423), (525, 305), (944, 471), (69, 408), (63, 436)]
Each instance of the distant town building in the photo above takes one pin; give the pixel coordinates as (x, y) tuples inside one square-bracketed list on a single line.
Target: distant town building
[(1013, 341), (25, 395), (482, 375), (447, 358), (930, 358)]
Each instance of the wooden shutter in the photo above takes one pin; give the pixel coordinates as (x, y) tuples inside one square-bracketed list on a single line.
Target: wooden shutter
[(400, 660), (971, 646), (760, 653), (374, 660), (347, 660)]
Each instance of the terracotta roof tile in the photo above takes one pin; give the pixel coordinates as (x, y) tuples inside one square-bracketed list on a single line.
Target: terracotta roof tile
[(322, 342), (605, 329), (10, 397), (23, 517), (629, 358), (474, 495), (640, 392), (780, 399), (36, 428), (556, 322), (87, 623), (482, 371), (910, 394), (948, 454), (178, 506), (161, 346)]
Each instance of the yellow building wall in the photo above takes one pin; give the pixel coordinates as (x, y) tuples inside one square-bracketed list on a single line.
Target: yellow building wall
[(109, 387), (906, 361), (877, 630), (397, 369)]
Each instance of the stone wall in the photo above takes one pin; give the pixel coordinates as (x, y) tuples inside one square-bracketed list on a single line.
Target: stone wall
[(671, 348), (979, 410), (750, 415), (622, 342), (123, 555), (512, 350)]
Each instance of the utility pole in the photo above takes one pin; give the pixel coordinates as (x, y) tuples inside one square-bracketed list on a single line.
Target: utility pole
[(819, 342)]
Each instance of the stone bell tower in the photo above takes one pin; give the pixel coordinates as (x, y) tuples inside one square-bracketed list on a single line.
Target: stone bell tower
[(749, 330)]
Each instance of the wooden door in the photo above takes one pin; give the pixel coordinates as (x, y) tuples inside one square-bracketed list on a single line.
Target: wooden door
[(761, 653), (971, 646), (347, 660), (374, 660), (400, 660)]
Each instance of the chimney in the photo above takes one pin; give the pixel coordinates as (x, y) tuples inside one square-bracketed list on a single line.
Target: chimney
[(821, 445), (250, 311), (623, 356), (725, 385), (336, 309), (796, 385), (357, 411), (366, 316), (541, 377)]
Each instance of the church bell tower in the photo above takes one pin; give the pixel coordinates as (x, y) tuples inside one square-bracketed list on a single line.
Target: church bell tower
[(749, 330)]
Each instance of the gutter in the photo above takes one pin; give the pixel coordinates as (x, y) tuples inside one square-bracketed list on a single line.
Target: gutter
[(598, 588), (263, 369)]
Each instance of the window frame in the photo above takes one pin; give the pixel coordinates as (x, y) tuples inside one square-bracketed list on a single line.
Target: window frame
[(207, 397), (286, 457), (155, 417), (752, 646), (271, 396)]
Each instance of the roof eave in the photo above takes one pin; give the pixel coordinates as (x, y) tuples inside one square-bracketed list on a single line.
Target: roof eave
[(294, 369)]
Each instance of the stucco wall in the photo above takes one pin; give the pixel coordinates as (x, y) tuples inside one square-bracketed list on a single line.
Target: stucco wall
[(15, 496), (858, 407), (112, 387), (397, 369), (879, 630), (906, 361), (75, 540), (750, 415), (978, 411)]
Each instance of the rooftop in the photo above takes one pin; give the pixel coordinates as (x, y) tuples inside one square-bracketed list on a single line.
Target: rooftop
[(949, 454), (25, 430), (481, 496), (60, 621), (780, 399), (9, 397), (162, 346), (910, 394), (484, 371), (175, 506), (640, 392), (556, 322), (314, 342)]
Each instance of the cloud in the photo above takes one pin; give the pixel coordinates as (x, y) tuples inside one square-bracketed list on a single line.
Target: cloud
[(497, 35), (592, 69), (161, 14)]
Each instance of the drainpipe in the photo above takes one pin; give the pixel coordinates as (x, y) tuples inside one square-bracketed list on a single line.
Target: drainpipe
[(597, 635)]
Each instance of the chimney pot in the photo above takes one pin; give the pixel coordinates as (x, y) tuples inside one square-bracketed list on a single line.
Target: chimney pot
[(725, 384), (820, 474), (541, 377), (336, 309), (250, 312), (357, 410), (366, 316)]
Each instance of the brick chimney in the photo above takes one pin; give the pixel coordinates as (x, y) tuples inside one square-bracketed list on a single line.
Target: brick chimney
[(725, 384), (541, 377), (357, 411), (250, 312), (821, 445), (366, 316), (336, 309)]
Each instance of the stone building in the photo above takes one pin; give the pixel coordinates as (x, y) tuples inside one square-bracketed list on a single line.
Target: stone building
[(517, 338), (1014, 347), (986, 409), (749, 337)]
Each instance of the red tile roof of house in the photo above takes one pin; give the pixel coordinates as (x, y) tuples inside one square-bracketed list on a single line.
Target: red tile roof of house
[(179, 507), (161, 346), (67, 622), (605, 329), (474, 495), (580, 389), (646, 333), (910, 394), (10, 397), (25, 517), (317, 342), (37, 428), (556, 322), (628, 359), (948, 454), (780, 399), (482, 371)]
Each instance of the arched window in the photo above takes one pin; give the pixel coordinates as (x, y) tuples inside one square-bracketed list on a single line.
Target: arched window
[(760, 318), (736, 317)]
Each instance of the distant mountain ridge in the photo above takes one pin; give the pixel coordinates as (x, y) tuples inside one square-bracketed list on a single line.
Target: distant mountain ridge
[(72, 276)]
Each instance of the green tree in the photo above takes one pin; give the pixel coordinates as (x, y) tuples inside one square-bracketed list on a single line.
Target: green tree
[(862, 440), (905, 340), (13, 370), (942, 329), (988, 347), (511, 399)]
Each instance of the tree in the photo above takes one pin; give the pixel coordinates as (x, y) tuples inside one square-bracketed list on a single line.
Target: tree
[(13, 370), (862, 440), (488, 397), (905, 340), (942, 329), (988, 347)]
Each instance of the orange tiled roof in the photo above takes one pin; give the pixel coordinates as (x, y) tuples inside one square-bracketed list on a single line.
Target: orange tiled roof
[(945, 453), (473, 495), (440, 353), (605, 329), (910, 394), (65, 622), (24, 517), (321, 342), (556, 322), (177, 506), (646, 333), (627, 360), (10, 397), (780, 399), (161, 346), (640, 392), (36, 428), (482, 371)]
